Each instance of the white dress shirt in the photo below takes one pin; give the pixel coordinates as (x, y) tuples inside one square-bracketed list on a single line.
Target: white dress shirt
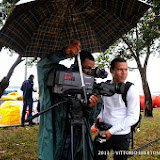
[(117, 114)]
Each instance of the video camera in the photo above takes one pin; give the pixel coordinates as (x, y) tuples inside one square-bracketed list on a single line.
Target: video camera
[(68, 83), (103, 126)]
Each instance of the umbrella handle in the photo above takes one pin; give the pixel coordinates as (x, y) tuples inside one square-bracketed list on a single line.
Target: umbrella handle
[(81, 76)]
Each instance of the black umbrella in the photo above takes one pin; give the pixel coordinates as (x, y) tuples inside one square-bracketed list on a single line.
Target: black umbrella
[(43, 26)]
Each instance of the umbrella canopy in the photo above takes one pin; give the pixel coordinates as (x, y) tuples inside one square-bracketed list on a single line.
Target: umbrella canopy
[(39, 27)]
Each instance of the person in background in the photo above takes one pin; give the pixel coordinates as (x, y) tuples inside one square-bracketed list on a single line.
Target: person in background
[(54, 137), (27, 88), (116, 114)]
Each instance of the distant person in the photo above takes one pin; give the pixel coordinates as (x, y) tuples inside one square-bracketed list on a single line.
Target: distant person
[(27, 88)]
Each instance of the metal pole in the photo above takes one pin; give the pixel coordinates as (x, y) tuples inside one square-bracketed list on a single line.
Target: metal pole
[(25, 72), (146, 145), (81, 76)]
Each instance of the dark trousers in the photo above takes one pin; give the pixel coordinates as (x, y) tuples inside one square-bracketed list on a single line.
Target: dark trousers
[(27, 102), (119, 145)]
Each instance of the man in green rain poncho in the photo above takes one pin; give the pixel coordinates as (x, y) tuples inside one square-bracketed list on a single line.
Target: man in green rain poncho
[(54, 129)]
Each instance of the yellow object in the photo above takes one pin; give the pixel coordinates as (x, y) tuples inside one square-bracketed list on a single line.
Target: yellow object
[(12, 96), (10, 113), (13, 93)]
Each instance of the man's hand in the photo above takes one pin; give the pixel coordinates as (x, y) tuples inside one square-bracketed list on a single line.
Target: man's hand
[(93, 100), (73, 47), (107, 133)]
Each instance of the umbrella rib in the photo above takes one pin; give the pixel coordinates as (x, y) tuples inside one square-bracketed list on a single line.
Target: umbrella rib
[(88, 35), (16, 21), (85, 4), (103, 29), (68, 21), (56, 40), (132, 20), (33, 16), (79, 13), (121, 8), (12, 39), (71, 16), (139, 7)]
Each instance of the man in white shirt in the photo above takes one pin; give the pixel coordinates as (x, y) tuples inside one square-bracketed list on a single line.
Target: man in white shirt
[(118, 115)]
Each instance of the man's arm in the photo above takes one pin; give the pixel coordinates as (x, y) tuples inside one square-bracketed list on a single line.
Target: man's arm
[(133, 111), (22, 87), (51, 62), (56, 57)]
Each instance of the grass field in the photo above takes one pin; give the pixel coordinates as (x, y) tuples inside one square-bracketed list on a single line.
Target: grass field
[(20, 143)]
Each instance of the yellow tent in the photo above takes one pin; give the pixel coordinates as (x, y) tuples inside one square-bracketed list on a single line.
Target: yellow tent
[(11, 107), (10, 113), (12, 96)]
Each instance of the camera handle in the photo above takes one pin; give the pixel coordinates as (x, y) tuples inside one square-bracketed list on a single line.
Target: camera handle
[(46, 110), (82, 78)]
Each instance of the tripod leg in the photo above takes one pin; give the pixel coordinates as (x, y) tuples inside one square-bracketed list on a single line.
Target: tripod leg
[(85, 131), (72, 141), (83, 136)]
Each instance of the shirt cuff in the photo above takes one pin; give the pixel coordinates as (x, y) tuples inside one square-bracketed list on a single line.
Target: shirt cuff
[(112, 130)]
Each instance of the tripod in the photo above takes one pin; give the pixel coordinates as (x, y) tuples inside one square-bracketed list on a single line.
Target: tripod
[(76, 120), (82, 122), (78, 129)]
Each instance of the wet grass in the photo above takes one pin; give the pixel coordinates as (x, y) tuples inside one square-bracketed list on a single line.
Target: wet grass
[(20, 143), (150, 130)]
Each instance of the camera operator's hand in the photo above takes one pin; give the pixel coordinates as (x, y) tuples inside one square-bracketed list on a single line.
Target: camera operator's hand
[(93, 100), (73, 47), (107, 133)]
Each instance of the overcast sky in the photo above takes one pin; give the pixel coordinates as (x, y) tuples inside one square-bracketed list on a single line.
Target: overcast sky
[(17, 78), (18, 75), (6, 61)]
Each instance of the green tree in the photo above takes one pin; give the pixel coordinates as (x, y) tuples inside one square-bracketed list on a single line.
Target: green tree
[(6, 7), (140, 42)]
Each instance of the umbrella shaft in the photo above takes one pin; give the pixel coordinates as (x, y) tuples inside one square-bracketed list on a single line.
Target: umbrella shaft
[(80, 69)]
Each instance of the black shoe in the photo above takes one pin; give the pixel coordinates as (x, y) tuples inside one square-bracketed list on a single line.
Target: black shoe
[(32, 123), (22, 125)]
